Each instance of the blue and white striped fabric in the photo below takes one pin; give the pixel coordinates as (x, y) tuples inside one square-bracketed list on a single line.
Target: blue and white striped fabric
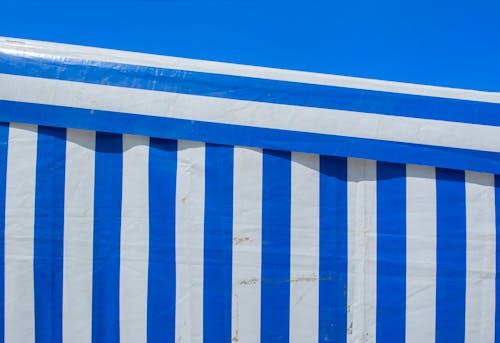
[(123, 238), (218, 203)]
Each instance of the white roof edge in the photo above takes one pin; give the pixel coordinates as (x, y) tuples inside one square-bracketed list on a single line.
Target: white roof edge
[(17, 46)]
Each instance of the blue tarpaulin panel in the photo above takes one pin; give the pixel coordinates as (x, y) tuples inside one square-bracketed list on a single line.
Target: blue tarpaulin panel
[(155, 199)]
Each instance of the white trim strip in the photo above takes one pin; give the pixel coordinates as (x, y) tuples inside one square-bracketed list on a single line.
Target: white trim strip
[(481, 263), (19, 234), (420, 254), (304, 249), (247, 245), (189, 238), (134, 242), (249, 113), (362, 250), (78, 236)]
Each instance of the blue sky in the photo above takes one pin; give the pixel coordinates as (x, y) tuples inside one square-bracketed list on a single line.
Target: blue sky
[(448, 43)]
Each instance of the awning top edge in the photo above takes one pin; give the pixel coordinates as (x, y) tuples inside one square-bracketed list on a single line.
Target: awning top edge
[(50, 50), (106, 90)]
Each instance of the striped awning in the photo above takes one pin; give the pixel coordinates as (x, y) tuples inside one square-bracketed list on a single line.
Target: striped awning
[(156, 199)]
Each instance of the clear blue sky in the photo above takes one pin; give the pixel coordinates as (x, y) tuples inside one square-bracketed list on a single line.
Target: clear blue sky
[(449, 43)]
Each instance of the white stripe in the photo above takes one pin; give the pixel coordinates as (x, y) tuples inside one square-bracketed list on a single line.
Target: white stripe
[(420, 254), (362, 250), (304, 249), (248, 113), (480, 284), (247, 245), (78, 236), (50, 51), (134, 241), (19, 234), (189, 219)]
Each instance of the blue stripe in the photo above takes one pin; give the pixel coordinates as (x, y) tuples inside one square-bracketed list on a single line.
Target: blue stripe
[(161, 272), (497, 279), (107, 224), (333, 249), (391, 252), (218, 244), (275, 284), (170, 128), (253, 89), (49, 233), (451, 258), (4, 141)]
